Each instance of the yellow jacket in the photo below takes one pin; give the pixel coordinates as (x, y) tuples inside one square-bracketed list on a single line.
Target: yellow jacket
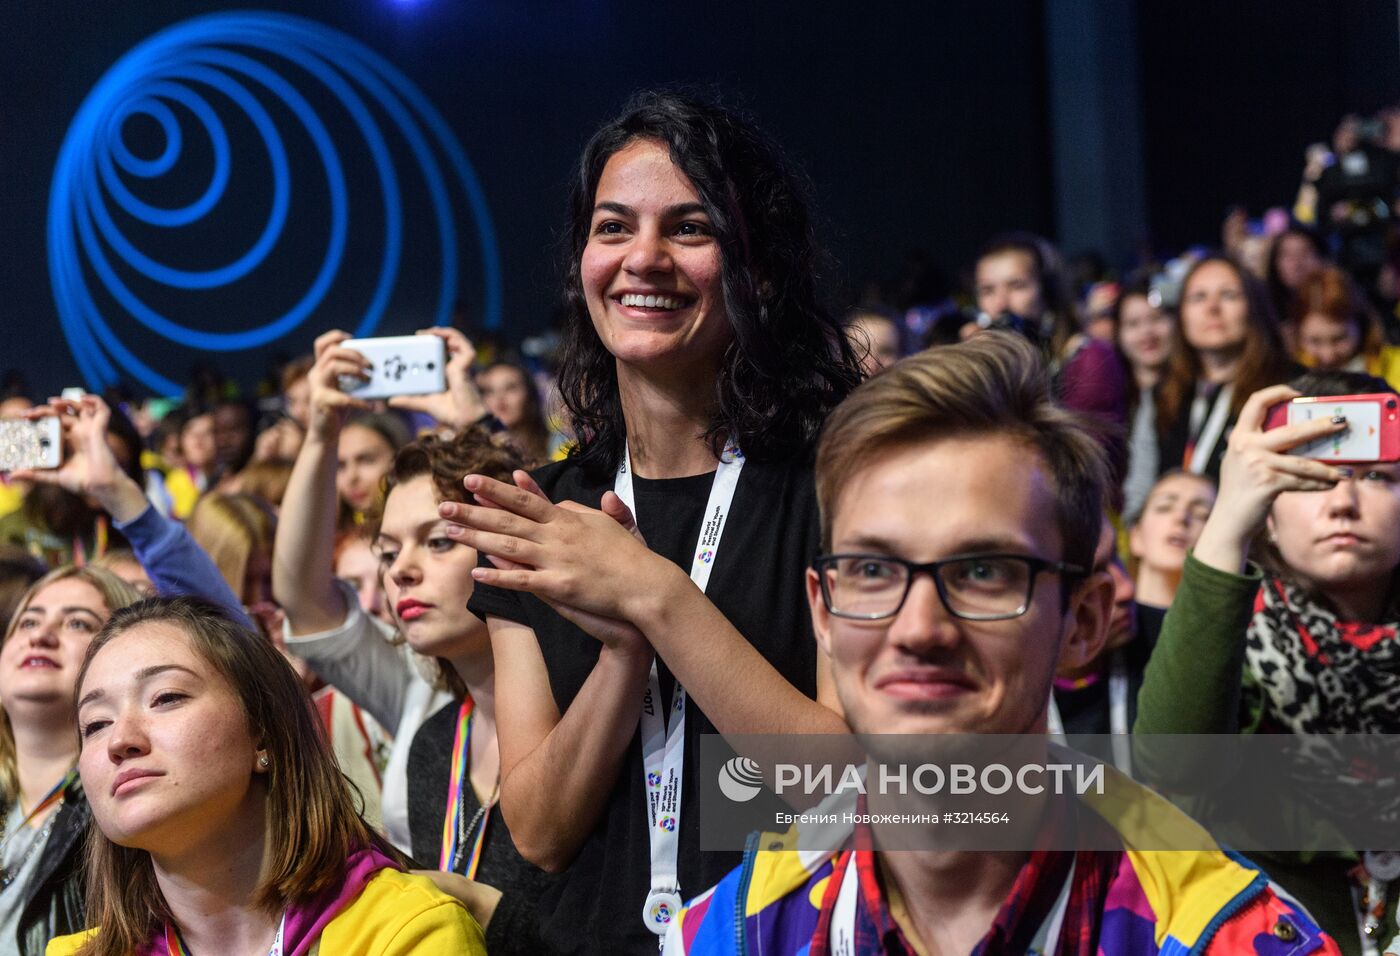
[(396, 914), (1386, 365)]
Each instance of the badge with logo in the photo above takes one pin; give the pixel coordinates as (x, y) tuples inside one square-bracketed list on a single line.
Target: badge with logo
[(1383, 865), (661, 907)]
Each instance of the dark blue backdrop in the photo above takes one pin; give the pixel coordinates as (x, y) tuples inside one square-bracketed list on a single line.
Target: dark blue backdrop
[(922, 125)]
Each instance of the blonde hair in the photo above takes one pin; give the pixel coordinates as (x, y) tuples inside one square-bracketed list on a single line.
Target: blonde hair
[(116, 594), (266, 480), (232, 528), (312, 822), (993, 384)]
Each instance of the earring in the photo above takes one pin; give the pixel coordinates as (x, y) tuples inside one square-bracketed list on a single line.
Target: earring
[(262, 761)]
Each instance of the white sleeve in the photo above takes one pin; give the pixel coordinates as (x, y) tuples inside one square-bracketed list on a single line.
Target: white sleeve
[(422, 701), (359, 661)]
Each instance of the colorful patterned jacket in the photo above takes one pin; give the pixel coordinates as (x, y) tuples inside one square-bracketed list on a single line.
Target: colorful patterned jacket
[(1160, 903)]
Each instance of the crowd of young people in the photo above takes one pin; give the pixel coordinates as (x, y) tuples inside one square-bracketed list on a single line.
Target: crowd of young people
[(433, 676)]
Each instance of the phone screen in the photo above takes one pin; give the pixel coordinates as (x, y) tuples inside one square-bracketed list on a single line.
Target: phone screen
[(1359, 441)]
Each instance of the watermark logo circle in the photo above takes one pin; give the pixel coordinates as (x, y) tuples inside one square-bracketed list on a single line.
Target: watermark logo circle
[(198, 80), (740, 779)]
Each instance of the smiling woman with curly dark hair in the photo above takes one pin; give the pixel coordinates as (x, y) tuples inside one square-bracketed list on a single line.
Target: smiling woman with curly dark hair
[(786, 364), (700, 367)]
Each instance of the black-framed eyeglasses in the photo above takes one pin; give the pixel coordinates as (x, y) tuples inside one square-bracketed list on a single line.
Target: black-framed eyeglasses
[(974, 587)]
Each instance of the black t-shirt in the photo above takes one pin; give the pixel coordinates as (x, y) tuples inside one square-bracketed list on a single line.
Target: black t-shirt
[(514, 926), (1089, 710), (769, 539)]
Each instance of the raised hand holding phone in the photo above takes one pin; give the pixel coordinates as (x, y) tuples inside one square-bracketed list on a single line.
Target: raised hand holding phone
[(398, 365), (30, 443), (457, 404), (334, 364), (1257, 468), (91, 468), (1372, 431)]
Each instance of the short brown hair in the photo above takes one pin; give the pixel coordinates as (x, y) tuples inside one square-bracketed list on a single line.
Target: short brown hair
[(447, 461), (296, 370), (311, 815), (1331, 292), (993, 384)]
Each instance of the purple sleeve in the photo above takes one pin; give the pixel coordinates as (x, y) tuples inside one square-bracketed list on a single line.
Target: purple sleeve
[(1093, 381), (177, 564)]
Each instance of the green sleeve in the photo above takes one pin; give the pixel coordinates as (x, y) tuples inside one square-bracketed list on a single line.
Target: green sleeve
[(1193, 682)]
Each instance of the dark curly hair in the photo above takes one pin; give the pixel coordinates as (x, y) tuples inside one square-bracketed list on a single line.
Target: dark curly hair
[(447, 461), (788, 363)]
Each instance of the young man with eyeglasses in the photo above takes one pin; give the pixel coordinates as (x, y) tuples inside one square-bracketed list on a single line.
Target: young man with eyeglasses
[(961, 511)]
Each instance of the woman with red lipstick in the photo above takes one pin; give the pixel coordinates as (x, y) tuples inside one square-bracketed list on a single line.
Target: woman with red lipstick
[(224, 825), (699, 366), (45, 809), (1306, 640), (438, 693)]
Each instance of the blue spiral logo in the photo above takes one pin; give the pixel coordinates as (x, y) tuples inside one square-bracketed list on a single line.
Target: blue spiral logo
[(203, 89)]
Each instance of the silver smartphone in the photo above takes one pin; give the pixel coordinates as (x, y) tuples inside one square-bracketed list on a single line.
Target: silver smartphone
[(398, 365), (30, 444)]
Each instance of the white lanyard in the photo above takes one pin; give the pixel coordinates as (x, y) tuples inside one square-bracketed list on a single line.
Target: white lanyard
[(1117, 714), (843, 919), (1369, 902), (663, 747), (277, 941), (1208, 436), (1367, 926)]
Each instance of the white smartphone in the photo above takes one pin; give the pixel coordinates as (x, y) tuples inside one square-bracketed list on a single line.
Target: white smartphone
[(30, 444), (399, 365)]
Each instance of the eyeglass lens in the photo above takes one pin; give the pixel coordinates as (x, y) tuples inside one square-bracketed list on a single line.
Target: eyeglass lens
[(977, 586)]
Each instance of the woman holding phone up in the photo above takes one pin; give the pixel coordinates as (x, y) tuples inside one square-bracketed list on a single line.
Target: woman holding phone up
[(442, 776), (1306, 641), (699, 366)]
